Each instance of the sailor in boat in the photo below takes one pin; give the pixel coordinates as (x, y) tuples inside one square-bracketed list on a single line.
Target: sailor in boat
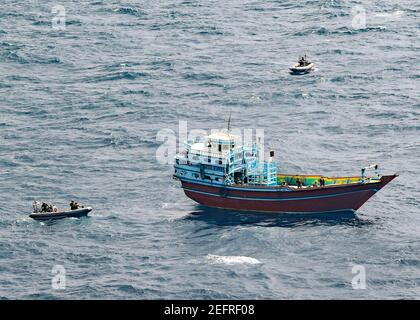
[(45, 207), (39, 207), (74, 205), (36, 206), (302, 62)]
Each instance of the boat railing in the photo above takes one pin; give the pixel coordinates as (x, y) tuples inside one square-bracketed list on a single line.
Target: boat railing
[(244, 152), (262, 173), (207, 153), (374, 167), (222, 154)]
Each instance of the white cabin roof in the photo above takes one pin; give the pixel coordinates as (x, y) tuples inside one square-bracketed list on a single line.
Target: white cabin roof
[(199, 146), (223, 136)]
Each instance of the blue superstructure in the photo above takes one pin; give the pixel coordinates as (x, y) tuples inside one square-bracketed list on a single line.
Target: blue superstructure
[(221, 159)]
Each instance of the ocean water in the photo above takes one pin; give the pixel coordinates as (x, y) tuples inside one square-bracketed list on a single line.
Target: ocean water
[(80, 110)]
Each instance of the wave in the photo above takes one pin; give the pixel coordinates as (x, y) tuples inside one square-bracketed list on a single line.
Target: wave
[(230, 260), (41, 23), (355, 77), (212, 31), (408, 262), (202, 76), (129, 75), (346, 30), (343, 30), (48, 23), (12, 56), (129, 11), (3, 86), (15, 57), (140, 92), (46, 60)]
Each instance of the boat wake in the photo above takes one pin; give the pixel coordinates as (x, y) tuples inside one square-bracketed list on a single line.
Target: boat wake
[(231, 260), (23, 220)]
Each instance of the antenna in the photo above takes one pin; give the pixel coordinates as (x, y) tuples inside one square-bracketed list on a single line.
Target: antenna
[(230, 115)]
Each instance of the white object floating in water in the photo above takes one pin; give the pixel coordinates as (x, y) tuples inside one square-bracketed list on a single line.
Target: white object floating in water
[(230, 260)]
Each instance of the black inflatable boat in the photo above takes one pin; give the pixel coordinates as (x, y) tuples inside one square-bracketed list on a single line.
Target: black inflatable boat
[(77, 213)]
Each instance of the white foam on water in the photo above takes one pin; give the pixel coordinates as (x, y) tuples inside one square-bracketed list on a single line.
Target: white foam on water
[(397, 13), (96, 215), (25, 219), (231, 260)]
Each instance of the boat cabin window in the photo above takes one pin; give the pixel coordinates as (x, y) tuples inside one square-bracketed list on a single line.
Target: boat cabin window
[(207, 177), (220, 148)]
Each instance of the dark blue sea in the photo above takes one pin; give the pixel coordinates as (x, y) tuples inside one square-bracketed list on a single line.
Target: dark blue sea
[(81, 108)]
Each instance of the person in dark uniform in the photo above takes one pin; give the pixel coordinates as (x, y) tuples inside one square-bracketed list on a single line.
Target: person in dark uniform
[(298, 183)]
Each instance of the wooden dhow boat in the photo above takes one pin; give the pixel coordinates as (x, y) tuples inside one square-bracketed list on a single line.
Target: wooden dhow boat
[(218, 172)]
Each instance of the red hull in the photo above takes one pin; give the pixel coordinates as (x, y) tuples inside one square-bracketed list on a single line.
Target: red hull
[(344, 198)]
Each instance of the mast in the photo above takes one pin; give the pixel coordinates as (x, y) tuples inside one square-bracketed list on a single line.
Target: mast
[(228, 128)]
